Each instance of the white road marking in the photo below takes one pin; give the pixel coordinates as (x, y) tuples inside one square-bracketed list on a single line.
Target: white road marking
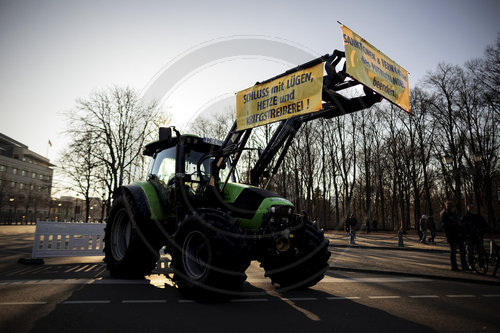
[(247, 300), (343, 298), (136, 301), (327, 279), (86, 302), (72, 281), (22, 303), (374, 280)]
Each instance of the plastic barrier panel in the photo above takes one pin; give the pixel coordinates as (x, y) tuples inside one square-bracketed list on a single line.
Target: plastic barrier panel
[(67, 239)]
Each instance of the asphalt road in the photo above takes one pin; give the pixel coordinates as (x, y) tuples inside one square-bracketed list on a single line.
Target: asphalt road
[(77, 295)]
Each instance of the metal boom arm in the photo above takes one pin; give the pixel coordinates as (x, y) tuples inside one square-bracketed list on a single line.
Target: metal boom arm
[(334, 105)]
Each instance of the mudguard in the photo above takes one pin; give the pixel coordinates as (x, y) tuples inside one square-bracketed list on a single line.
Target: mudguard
[(145, 198)]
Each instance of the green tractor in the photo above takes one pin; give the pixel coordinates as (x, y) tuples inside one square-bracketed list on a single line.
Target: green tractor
[(213, 226)]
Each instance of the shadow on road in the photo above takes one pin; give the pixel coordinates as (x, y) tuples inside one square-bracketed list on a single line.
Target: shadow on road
[(145, 307)]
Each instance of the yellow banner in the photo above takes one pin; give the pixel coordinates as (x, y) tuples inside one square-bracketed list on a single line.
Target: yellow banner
[(372, 68), (294, 94)]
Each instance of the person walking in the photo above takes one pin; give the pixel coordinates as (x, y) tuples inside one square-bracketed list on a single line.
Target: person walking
[(351, 224), (347, 225), (432, 228), (423, 229), (451, 226), (419, 229)]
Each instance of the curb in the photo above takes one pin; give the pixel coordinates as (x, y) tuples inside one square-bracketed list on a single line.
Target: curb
[(423, 276), (31, 261), (389, 248)]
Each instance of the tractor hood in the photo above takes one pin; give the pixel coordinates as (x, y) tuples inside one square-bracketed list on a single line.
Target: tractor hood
[(252, 203)]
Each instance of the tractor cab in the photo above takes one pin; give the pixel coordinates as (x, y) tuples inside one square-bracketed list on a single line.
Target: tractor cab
[(181, 167)]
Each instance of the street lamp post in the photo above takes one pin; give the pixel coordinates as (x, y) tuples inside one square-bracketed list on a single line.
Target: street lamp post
[(58, 211), (447, 159), (11, 201), (91, 217), (456, 173), (478, 157)]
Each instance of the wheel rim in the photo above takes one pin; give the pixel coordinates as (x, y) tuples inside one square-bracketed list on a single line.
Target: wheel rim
[(120, 235), (196, 254)]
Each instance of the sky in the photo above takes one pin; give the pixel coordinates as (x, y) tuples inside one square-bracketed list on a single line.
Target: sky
[(55, 52)]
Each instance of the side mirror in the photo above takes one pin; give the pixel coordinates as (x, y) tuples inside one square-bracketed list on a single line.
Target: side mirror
[(165, 134)]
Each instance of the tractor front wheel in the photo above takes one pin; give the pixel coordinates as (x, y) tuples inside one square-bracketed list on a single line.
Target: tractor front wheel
[(209, 257), (303, 266), (131, 246)]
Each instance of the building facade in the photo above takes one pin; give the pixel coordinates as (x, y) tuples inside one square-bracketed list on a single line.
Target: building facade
[(73, 209), (25, 182)]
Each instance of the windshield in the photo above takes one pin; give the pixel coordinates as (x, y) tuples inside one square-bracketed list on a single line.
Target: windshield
[(163, 166), (191, 163)]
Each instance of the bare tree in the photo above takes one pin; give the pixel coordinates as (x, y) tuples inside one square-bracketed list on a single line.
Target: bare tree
[(79, 164), (115, 124)]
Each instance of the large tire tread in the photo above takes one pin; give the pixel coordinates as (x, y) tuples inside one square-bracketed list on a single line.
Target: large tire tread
[(143, 251), (303, 270), (229, 260)]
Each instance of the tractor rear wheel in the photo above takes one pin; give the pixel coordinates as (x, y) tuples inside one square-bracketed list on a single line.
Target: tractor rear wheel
[(131, 245)]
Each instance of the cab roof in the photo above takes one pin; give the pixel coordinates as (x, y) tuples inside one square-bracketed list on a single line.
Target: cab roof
[(189, 139)]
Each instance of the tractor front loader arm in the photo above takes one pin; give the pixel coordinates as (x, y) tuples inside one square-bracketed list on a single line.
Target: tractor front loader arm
[(334, 105)]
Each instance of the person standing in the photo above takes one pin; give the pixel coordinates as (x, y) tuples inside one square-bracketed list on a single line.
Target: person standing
[(423, 228), (474, 227), (451, 226), (354, 224)]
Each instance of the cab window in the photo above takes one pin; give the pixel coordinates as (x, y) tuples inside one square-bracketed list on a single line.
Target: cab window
[(164, 165)]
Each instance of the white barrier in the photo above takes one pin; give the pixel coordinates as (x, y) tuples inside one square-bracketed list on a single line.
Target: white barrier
[(69, 239), (59, 239)]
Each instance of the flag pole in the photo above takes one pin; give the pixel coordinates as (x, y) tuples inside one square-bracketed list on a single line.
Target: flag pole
[(49, 144)]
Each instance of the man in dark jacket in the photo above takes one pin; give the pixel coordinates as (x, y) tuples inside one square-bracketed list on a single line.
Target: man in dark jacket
[(451, 226), (474, 226)]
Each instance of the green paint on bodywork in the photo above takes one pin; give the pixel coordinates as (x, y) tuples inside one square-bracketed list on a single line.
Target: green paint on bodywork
[(256, 221), (153, 200), (233, 190)]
